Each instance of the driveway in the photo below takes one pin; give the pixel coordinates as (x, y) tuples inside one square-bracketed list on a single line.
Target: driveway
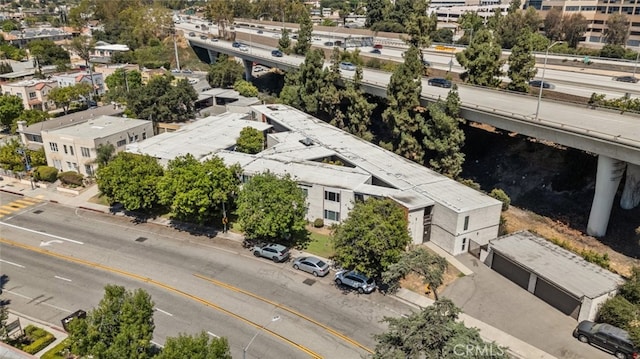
[(495, 300)]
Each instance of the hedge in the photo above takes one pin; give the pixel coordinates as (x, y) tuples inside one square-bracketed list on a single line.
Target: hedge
[(318, 223), (42, 339), (46, 173), (58, 351), (71, 177)]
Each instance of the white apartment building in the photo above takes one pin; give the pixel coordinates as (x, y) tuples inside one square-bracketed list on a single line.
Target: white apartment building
[(73, 148), (438, 209), (75, 78)]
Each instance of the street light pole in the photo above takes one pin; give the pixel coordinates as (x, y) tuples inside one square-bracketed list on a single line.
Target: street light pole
[(544, 67), (244, 350)]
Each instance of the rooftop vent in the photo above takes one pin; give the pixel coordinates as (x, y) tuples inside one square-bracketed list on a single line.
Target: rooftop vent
[(273, 108), (306, 141)]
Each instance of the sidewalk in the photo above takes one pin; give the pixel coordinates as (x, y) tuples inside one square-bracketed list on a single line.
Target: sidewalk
[(25, 321), (517, 347)]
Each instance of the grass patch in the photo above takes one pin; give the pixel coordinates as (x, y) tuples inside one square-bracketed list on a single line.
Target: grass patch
[(99, 199), (320, 245), (58, 352)]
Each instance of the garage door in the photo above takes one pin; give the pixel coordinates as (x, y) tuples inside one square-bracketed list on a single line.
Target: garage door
[(559, 299), (510, 270)]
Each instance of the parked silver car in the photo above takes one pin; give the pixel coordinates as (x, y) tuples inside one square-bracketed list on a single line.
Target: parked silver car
[(313, 265), (355, 280), (275, 252)]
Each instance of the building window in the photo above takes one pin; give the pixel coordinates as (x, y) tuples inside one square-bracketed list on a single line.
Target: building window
[(53, 146), (359, 197), (57, 164), (32, 95), (466, 223), (71, 150), (69, 165), (331, 215), (144, 135), (65, 149), (332, 196), (121, 143), (464, 244), (88, 169), (245, 178), (85, 152), (305, 190)]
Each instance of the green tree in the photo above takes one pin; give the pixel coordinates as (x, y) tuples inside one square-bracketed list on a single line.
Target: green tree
[(419, 260), (10, 158), (284, 43), (630, 290), (224, 72), (553, 24), (501, 196), (521, 63), (4, 309), (83, 46), (617, 30), (79, 14), (131, 180), (221, 12), (443, 36), (160, 101), (471, 23), (403, 115), (246, 88), (618, 312), (121, 326), (303, 45), (443, 136), (31, 117), (120, 83), (37, 157), (434, 333), (612, 51), (46, 52), (273, 208), (104, 154), (11, 108), (372, 238), (62, 97), (199, 346), (5, 67), (358, 109), (574, 26), (196, 191), (481, 60), (418, 24), (375, 12), (250, 141), (312, 80)]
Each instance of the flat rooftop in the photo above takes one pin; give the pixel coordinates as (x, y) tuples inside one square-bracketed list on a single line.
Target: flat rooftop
[(394, 170), (199, 138), (71, 119), (100, 127), (557, 265)]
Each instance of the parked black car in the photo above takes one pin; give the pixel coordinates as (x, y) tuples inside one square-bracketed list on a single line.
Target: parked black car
[(606, 337), (276, 53), (236, 44), (545, 84), (439, 82)]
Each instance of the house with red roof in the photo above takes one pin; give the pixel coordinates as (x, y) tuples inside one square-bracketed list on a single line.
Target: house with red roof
[(74, 78), (34, 93)]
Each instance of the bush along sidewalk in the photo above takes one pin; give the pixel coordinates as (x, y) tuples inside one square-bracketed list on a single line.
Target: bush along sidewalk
[(34, 340)]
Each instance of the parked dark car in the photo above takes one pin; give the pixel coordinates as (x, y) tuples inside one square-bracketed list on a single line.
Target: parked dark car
[(69, 318), (377, 46), (376, 51), (630, 79), (606, 337), (236, 44), (276, 53), (329, 43), (545, 84), (439, 82)]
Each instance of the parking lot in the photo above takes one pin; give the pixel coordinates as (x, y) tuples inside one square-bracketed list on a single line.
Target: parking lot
[(495, 300)]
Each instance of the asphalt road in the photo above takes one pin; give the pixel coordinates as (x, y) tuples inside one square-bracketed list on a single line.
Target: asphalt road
[(58, 260)]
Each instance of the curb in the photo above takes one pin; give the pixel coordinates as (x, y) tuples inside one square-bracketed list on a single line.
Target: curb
[(91, 209), (11, 192)]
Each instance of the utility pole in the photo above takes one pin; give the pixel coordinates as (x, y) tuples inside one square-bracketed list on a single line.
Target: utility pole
[(175, 47)]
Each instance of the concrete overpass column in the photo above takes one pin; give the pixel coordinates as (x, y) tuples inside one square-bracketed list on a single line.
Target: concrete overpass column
[(248, 69), (631, 193), (213, 56), (608, 178)]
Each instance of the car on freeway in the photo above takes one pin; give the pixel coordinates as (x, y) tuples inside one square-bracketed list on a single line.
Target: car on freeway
[(313, 265), (377, 46), (273, 251), (355, 280), (243, 48), (260, 32), (348, 66), (175, 71), (236, 44), (608, 338), (203, 37), (214, 39), (545, 84), (630, 79), (192, 34), (187, 71), (294, 36), (276, 53), (376, 51), (329, 43), (439, 82)]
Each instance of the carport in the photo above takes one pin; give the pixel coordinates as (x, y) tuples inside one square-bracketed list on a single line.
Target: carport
[(559, 277)]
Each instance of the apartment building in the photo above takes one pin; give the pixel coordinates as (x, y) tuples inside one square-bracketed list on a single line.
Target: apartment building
[(75, 78), (34, 93)]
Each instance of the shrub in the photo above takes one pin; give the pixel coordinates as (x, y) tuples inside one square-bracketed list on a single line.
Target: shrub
[(318, 223), (59, 351), (45, 173), (40, 339), (502, 197), (596, 258), (71, 178), (617, 311)]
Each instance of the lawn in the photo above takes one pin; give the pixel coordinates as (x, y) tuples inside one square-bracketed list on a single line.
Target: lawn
[(320, 245)]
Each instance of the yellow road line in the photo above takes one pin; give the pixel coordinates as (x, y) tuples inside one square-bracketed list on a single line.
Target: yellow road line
[(161, 285), (27, 201), (15, 205), (309, 319), (5, 211)]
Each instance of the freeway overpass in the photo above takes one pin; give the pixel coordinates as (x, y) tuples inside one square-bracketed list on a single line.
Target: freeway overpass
[(614, 137)]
